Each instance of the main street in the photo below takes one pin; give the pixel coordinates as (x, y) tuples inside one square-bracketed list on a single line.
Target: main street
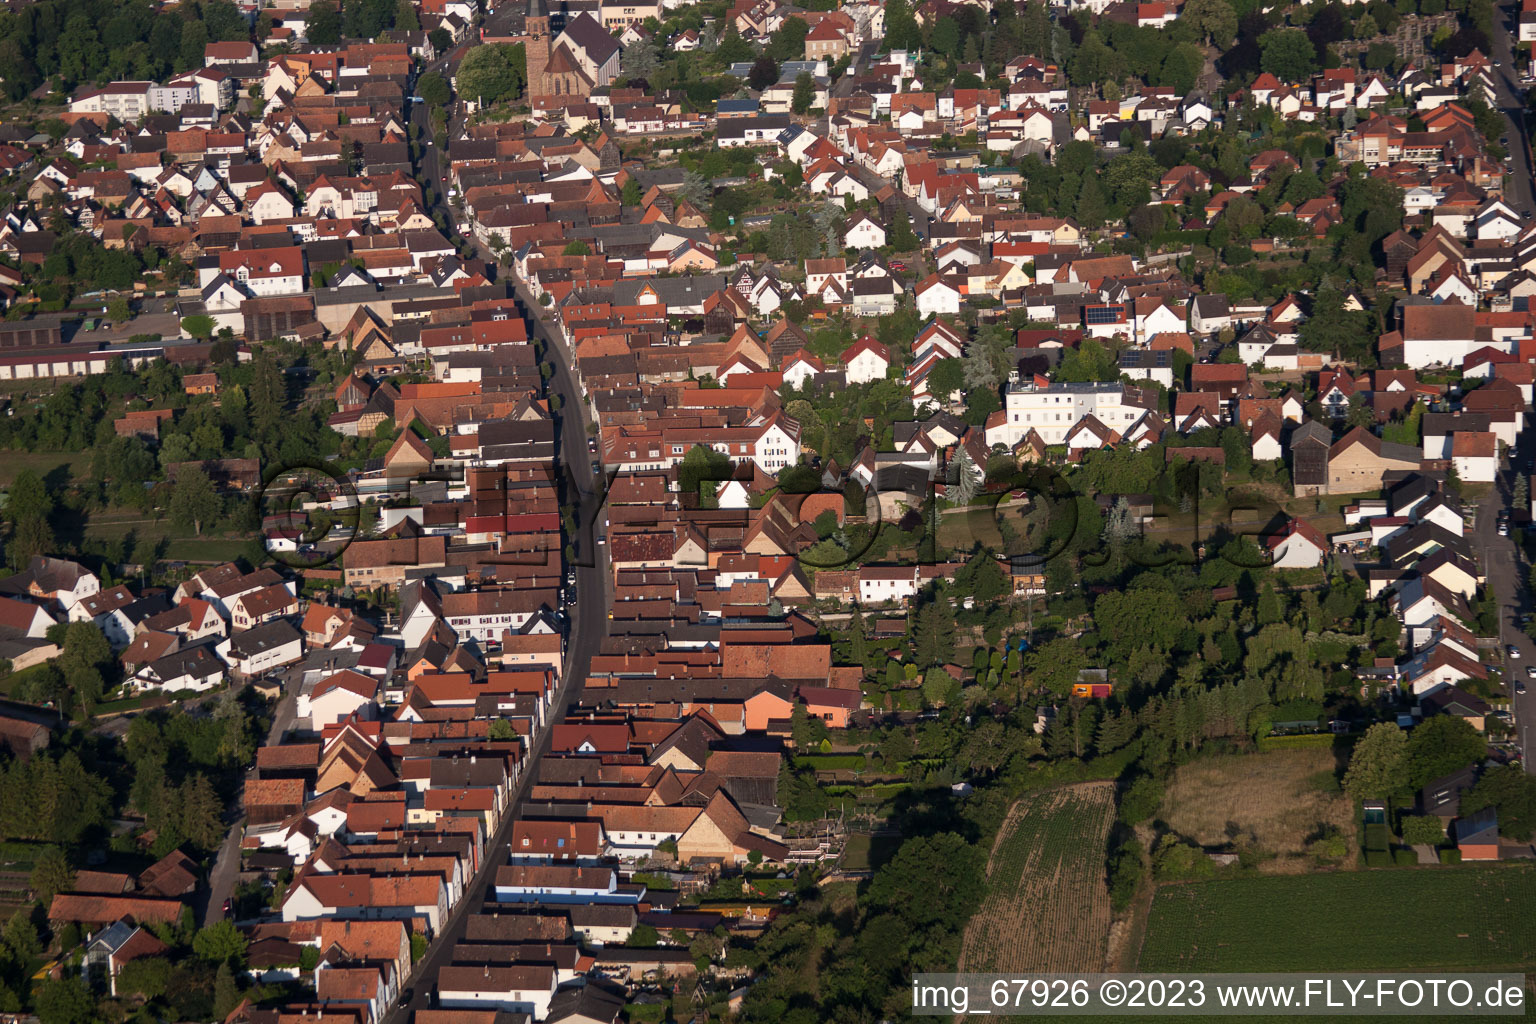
[(1503, 561), (1506, 568), (587, 614), (1510, 98)]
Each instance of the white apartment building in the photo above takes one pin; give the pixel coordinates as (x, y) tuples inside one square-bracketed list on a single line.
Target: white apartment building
[(1053, 409)]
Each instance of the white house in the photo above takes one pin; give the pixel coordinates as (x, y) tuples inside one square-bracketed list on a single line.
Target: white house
[(517, 989), (935, 295), (1298, 546), (24, 619), (193, 668), (264, 648), (1475, 454), (800, 366), (863, 232), (339, 696), (866, 360)]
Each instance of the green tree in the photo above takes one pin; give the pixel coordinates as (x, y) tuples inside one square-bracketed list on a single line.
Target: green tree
[(901, 237), (946, 379), (901, 30), (220, 943), (51, 874), (643, 936), (1090, 207), (933, 633), (65, 1000), (1441, 745), (194, 501), (226, 991), (578, 248), (1287, 54), (1376, 767), (1214, 20), (492, 73), (433, 89), (28, 507), (21, 938), (946, 37), (1513, 793), (805, 93), (1055, 664), (701, 472), (199, 325), (932, 880), (788, 40), (119, 311), (148, 977)]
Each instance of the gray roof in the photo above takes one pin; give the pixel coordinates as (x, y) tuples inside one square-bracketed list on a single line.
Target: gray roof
[(585, 31)]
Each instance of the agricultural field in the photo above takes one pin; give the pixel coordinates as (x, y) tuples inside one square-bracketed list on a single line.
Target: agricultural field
[(1047, 907), (1467, 917), (1274, 802)]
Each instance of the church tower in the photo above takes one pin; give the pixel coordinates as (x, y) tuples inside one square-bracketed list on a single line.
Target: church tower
[(536, 27)]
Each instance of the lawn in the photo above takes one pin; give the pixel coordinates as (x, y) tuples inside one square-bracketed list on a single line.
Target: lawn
[(1462, 918), (178, 547), (1275, 802), (44, 463)]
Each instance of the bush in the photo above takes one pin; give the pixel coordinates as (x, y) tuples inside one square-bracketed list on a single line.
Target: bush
[(1125, 874), (1178, 861), (1141, 800), (1377, 858), (1450, 856), (1404, 857)]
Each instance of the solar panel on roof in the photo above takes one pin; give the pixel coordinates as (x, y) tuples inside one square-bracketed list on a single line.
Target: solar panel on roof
[(1102, 314)]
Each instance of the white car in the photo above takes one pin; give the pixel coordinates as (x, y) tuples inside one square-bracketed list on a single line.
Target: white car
[(1512, 651)]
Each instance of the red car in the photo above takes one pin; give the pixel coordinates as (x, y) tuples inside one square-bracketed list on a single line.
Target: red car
[(898, 265)]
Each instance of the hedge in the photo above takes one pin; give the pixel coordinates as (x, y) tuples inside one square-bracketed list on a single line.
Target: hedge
[(830, 762), (1450, 855), (1304, 740), (1377, 858), (1377, 838), (1405, 857)]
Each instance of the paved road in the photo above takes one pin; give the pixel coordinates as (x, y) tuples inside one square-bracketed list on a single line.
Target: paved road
[(209, 901), (1506, 569), (587, 612), (1511, 103)]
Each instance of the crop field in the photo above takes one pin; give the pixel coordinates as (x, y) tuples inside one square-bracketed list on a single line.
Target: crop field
[(1466, 917), (1047, 907)]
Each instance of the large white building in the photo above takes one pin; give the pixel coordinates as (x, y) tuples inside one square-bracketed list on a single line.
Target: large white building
[(1051, 410)]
